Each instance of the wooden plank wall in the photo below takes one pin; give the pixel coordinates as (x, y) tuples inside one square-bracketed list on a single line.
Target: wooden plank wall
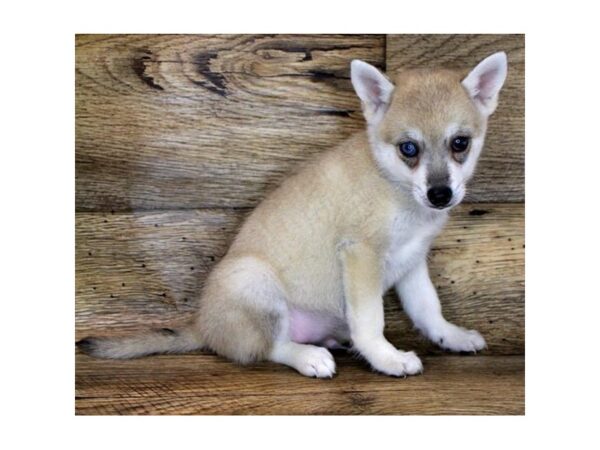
[(178, 137), (172, 122)]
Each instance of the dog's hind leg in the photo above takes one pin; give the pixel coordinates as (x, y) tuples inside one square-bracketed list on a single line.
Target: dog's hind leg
[(244, 316), (309, 360)]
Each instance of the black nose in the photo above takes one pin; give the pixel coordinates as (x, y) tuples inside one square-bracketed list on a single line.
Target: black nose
[(439, 196)]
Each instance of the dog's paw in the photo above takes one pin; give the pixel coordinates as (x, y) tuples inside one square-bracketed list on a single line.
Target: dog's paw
[(397, 363), (458, 339), (315, 362)]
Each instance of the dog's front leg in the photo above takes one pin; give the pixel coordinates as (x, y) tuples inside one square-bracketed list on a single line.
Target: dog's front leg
[(364, 311), (421, 303)]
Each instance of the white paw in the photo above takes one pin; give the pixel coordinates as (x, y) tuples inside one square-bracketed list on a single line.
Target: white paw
[(458, 339), (397, 363), (315, 361)]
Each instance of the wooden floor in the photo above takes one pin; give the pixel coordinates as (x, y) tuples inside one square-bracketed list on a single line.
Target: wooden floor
[(207, 384)]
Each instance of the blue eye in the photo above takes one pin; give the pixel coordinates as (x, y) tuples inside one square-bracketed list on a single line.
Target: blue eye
[(409, 149)]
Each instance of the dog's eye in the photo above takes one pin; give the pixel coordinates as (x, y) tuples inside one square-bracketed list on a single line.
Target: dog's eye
[(460, 143), (409, 149)]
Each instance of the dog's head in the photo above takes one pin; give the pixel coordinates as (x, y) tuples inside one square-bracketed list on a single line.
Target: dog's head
[(427, 130)]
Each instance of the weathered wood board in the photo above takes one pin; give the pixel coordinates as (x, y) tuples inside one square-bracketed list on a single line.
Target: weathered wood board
[(145, 269), (184, 121), (206, 384), (191, 121), (500, 174)]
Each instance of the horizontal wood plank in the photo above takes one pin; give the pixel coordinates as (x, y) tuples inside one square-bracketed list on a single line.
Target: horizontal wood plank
[(145, 269), (207, 384), (168, 122), (192, 121), (500, 174)]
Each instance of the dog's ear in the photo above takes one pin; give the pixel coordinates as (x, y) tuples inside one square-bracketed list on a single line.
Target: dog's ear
[(373, 88), (485, 81)]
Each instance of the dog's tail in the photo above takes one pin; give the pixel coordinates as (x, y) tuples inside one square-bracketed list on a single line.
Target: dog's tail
[(162, 340)]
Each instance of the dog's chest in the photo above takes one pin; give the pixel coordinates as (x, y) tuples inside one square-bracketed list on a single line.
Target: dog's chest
[(409, 241)]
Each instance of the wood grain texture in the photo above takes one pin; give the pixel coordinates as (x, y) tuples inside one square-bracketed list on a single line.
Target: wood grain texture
[(207, 384), (145, 269), (500, 174), (168, 122), (191, 121)]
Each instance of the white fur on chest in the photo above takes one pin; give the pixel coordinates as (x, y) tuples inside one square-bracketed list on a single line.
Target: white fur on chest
[(410, 238)]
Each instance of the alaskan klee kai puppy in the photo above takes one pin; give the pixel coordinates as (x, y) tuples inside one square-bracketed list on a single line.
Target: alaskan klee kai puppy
[(308, 269)]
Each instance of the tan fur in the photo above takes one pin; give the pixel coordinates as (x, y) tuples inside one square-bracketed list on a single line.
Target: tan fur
[(331, 240), (299, 230), (445, 97)]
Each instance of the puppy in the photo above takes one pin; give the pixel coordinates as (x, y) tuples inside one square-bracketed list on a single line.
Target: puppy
[(308, 269)]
